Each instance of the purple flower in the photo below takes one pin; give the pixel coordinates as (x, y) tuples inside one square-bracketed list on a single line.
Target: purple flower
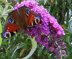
[(47, 33)]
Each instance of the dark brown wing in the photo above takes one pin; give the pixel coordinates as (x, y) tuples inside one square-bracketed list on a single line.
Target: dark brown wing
[(19, 16)]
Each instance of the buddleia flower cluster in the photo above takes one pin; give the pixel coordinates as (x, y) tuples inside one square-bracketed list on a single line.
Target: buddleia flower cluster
[(49, 32)]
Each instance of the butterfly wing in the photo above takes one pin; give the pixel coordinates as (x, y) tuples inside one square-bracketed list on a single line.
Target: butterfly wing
[(19, 16), (24, 17)]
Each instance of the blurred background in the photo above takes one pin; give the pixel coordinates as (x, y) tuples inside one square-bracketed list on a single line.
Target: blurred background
[(20, 45)]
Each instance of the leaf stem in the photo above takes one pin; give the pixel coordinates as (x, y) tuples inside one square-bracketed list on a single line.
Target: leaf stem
[(34, 46)]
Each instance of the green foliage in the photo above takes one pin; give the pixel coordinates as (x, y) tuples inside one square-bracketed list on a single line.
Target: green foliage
[(20, 45), (0, 33)]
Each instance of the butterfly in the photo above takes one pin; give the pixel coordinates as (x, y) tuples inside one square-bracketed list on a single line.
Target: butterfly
[(21, 18)]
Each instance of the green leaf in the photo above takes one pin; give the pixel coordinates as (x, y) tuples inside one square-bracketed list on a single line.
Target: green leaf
[(69, 1), (0, 33), (0, 28), (0, 39), (18, 46), (1, 10), (45, 2), (70, 25)]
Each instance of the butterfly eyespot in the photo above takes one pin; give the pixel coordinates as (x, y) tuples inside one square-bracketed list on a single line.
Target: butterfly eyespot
[(6, 34), (27, 12), (10, 20), (37, 19)]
